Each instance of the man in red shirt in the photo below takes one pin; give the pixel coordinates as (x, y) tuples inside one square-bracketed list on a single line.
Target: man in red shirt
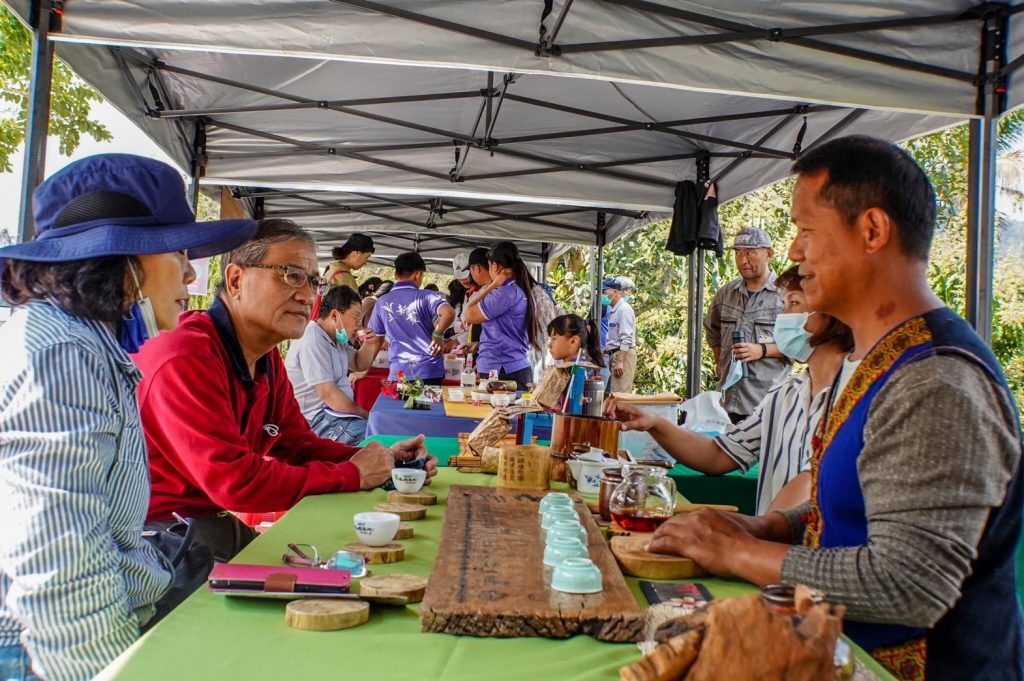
[(222, 426)]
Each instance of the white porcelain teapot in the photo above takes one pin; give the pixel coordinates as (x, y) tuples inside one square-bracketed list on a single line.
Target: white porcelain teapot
[(587, 468)]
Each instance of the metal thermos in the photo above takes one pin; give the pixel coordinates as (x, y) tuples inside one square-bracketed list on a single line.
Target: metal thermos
[(740, 337), (593, 394)]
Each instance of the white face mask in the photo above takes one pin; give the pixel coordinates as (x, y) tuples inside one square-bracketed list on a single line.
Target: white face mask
[(791, 337)]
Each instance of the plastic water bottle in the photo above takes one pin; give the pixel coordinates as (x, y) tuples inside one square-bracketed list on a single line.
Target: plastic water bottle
[(468, 377)]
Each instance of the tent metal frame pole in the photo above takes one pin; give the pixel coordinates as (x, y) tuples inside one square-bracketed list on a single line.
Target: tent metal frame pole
[(545, 255), (695, 297), (598, 270), (43, 17), (981, 184), (198, 164)]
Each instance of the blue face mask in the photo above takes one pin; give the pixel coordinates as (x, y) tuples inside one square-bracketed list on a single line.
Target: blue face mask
[(790, 336), (629, 299), (605, 300), (341, 336), (734, 375), (140, 324)]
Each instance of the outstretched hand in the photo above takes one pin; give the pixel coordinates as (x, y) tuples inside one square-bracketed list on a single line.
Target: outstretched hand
[(412, 449), (629, 416)]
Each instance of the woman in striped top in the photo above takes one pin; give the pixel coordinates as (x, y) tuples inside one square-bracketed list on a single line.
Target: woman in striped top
[(107, 270), (778, 433)]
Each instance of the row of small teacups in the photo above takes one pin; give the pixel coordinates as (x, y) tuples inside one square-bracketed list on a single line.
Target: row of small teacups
[(565, 547), (378, 529)]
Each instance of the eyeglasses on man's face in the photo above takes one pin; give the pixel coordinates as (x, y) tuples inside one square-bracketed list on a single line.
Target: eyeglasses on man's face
[(296, 277)]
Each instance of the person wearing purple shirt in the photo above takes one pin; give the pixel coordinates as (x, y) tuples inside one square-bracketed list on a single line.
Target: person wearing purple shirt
[(505, 308), (413, 321)]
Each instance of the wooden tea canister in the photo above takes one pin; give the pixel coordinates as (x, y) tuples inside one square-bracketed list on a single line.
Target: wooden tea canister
[(569, 430), (524, 467)]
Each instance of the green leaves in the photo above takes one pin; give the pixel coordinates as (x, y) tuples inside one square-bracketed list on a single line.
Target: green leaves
[(70, 103)]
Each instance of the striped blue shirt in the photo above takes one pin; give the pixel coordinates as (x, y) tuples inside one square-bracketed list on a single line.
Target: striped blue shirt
[(76, 578), (777, 434)]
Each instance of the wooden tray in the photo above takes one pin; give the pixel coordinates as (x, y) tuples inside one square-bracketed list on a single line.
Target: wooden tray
[(631, 552), (489, 577)]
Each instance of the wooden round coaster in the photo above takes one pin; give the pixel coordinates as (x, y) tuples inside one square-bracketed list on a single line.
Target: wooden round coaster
[(631, 552), (468, 469), (405, 531), (403, 511), (322, 614), (410, 586), (389, 553), (422, 498)]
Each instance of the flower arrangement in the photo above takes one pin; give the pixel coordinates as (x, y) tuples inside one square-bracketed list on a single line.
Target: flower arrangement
[(408, 389)]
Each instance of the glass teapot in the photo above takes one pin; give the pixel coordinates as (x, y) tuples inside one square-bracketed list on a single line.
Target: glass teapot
[(644, 499)]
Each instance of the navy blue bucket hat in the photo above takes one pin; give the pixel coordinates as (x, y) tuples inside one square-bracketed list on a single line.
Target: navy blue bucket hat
[(120, 204)]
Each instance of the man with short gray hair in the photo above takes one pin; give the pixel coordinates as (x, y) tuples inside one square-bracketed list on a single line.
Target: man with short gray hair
[(740, 327), (620, 346), (223, 428)]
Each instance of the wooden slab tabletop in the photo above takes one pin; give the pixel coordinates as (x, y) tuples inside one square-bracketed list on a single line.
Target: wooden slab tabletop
[(489, 578)]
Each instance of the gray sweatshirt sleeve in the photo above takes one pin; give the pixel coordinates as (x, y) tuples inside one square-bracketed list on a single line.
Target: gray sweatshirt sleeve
[(940, 446)]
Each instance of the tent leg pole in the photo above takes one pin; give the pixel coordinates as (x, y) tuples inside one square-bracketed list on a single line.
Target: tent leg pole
[(695, 320), (981, 180), (40, 16), (595, 312)]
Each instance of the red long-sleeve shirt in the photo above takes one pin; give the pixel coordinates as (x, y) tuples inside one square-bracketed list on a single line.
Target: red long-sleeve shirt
[(220, 439)]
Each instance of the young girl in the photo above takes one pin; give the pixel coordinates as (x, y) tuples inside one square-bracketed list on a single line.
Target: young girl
[(570, 332)]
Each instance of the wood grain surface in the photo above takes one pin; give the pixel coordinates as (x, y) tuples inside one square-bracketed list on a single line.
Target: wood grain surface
[(489, 578), (631, 552)]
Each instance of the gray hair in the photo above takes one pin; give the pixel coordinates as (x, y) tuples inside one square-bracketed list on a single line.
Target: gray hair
[(271, 231)]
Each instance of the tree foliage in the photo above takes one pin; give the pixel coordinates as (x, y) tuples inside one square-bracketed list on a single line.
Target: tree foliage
[(71, 99), (660, 300)]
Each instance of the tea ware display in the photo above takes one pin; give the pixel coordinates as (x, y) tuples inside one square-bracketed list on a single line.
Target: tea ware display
[(560, 548), (567, 528), (577, 576), (374, 528), (644, 499), (558, 513), (553, 499), (408, 480)]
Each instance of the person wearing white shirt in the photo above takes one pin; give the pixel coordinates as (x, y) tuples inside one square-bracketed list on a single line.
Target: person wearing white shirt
[(777, 434), (620, 346)]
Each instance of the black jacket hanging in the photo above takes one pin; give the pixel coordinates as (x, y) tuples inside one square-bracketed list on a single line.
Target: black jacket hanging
[(682, 236), (709, 231)]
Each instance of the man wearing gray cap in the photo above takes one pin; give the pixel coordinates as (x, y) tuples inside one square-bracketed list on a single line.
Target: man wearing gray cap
[(739, 327), (620, 346)]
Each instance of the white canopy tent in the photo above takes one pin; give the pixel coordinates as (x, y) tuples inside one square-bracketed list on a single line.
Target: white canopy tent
[(601, 105)]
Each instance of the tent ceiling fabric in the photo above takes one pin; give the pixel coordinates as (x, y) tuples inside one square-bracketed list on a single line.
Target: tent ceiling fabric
[(280, 93), (739, 52), (437, 228)]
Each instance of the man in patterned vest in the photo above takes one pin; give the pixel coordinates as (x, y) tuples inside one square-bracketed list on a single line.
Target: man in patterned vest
[(915, 509)]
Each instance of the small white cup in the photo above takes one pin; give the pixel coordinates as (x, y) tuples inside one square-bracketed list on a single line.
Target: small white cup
[(501, 400), (376, 529), (408, 480)]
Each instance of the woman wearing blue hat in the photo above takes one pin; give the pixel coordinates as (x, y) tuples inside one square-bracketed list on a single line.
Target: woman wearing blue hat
[(107, 270)]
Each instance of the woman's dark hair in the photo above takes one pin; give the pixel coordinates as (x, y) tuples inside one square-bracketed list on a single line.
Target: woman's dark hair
[(97, 288), (357, 241), (456, 293), (385, 288), (370, 286), (835, 331), (339, 298), (506, 255), (432, 287), (575, 325)]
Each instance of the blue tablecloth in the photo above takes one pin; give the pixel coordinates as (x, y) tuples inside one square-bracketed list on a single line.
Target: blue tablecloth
[(390, 417)]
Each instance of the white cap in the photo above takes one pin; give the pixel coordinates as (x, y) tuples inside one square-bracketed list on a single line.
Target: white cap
[(460, 265)]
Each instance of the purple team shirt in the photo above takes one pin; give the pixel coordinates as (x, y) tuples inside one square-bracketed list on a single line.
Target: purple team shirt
[(504, 341), (406, 316)]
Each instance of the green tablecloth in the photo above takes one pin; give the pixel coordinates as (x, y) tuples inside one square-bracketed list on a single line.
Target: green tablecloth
[(226, 639), (737, 489)]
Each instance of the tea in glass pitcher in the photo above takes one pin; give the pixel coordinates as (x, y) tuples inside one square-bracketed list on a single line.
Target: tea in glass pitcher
[(644, 499)]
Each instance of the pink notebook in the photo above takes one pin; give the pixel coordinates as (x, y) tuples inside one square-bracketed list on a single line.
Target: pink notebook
[(278, 579)]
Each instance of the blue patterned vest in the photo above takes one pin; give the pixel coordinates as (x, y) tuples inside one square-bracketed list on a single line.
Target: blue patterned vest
[(980, 637)]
